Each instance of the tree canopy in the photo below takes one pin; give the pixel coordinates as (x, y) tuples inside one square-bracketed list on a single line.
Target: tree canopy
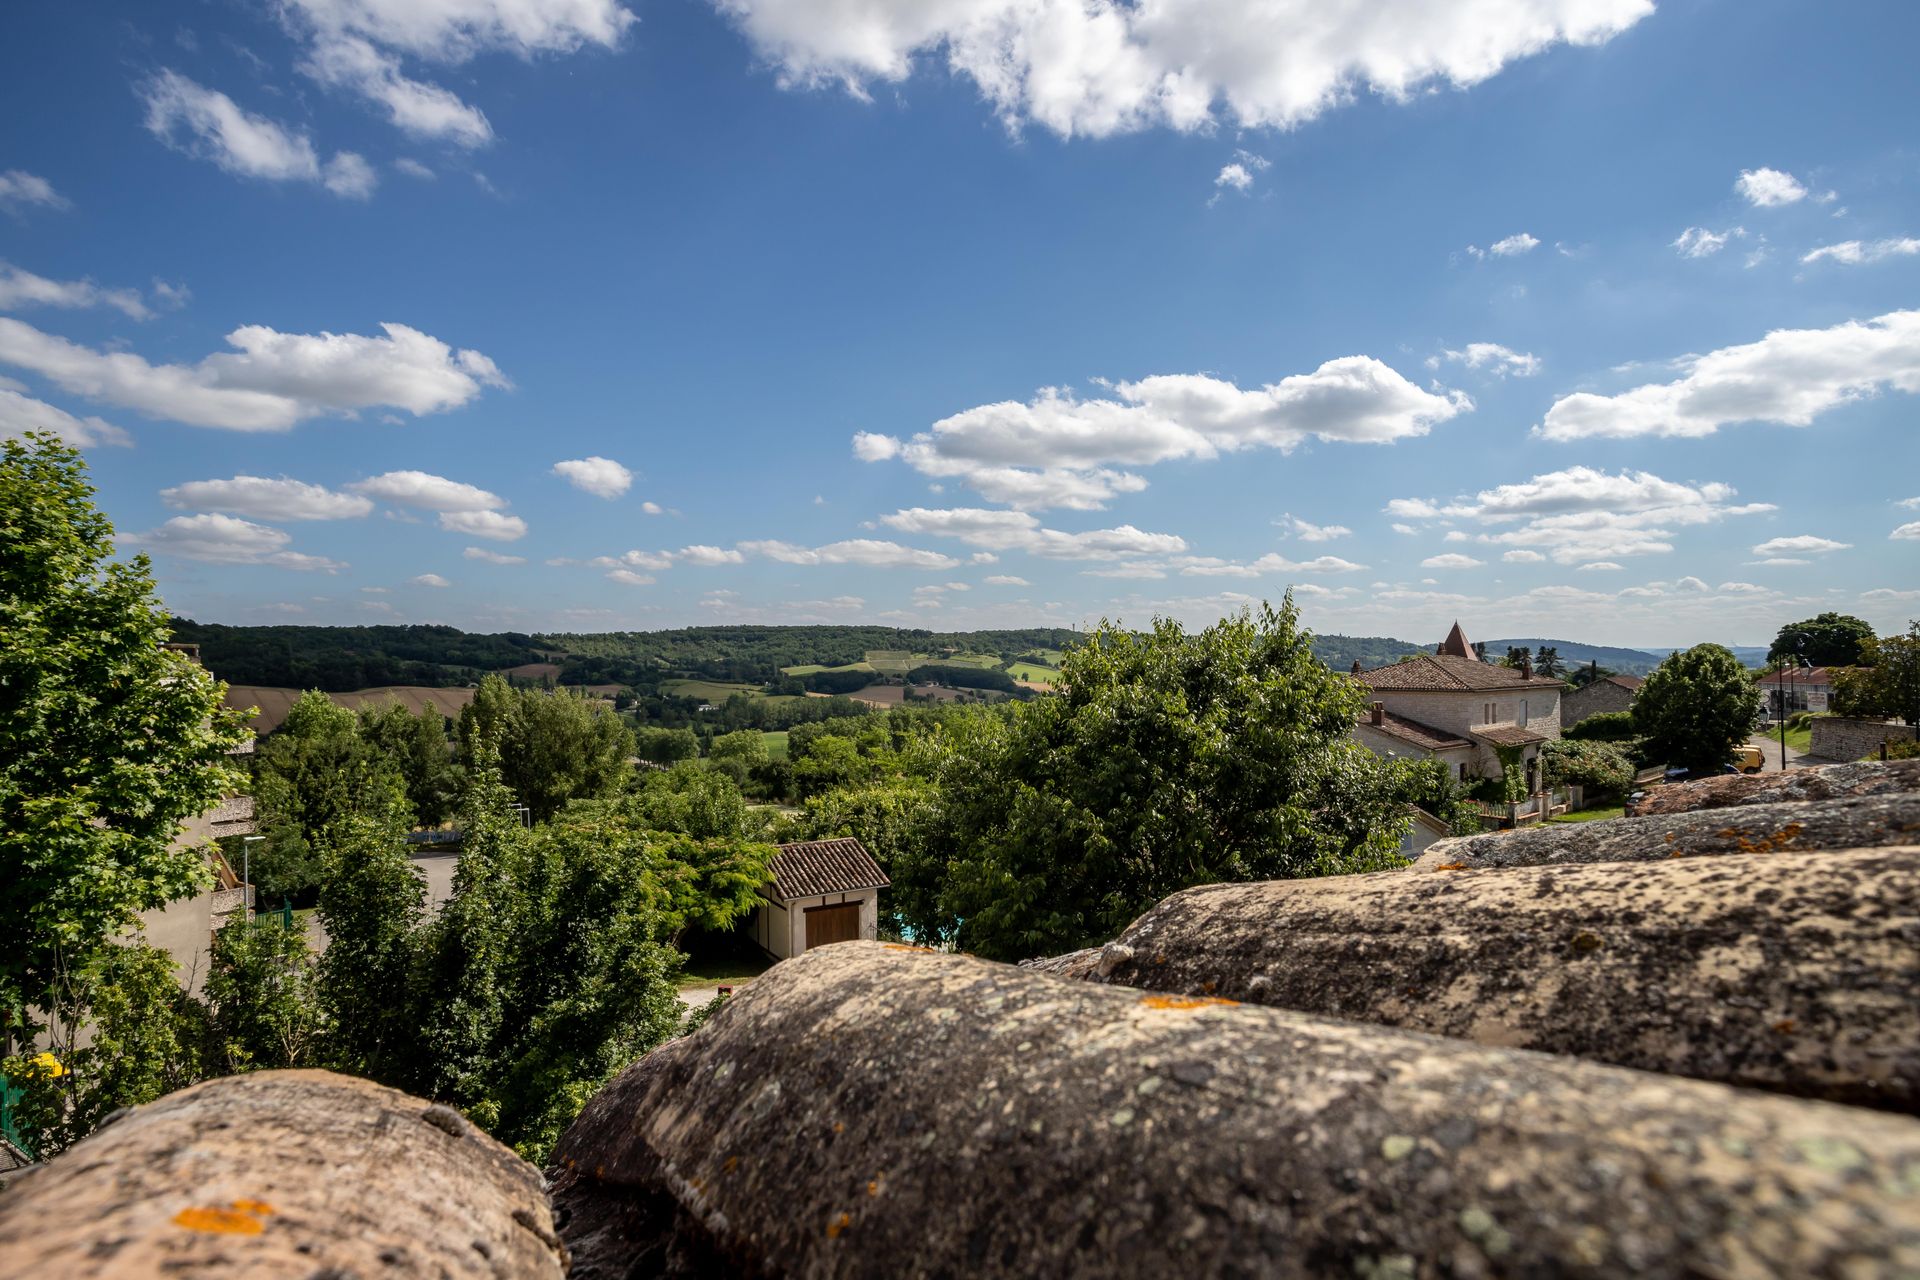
[(108, 742), (1695, 707), (1827, 640), (1887, 684)]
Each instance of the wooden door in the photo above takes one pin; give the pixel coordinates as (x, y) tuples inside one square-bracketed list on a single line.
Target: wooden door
[(833, 924)]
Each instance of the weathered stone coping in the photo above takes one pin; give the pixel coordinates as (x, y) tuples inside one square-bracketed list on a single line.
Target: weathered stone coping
[(1830, 782), (1856, 823), (301, 1174), (1776, 973), (873, 1111)]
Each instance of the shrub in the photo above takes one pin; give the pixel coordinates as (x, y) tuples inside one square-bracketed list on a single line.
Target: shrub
[(1602, 726), (1597, 767)]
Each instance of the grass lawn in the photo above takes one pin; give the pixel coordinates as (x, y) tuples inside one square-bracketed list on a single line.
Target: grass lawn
[(890, 662), (814, 668), (1591, 815), (726, 972), (715, 691), (1033, 671), (984, 661), (776, 740), (1797, 740)]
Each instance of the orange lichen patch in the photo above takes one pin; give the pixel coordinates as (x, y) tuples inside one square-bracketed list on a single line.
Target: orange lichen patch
[(839, 1126), (1451, 866), (259, 1208), (1785, 1026), (838, 1225), (873, 1187), (1772, 842), (226, 1222), (1183, 1002), (733, 1162)]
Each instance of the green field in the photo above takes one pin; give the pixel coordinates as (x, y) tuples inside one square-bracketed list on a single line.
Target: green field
[(1044, 657), (814, 668), (890, 662), (776, 740), (715, 691), (1034, 672)]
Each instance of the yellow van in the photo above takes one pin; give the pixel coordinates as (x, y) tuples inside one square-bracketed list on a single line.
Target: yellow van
[(1748, 759)]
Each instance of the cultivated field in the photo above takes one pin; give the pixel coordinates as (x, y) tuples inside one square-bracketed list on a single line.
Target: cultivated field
[(533, 672), (274, 703), (714, 691)]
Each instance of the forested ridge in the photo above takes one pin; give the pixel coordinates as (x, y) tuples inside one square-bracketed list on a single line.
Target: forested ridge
[(343, 659)]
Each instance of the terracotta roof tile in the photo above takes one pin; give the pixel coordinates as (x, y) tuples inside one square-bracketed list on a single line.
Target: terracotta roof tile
[(1420, 735), (811, 868), (1507, 735), (1432, 672)]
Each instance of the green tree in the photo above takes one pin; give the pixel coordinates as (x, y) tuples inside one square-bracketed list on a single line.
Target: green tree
[(260, 995), (108, 742), (1517, 656), (1827, 640), (415, 746), (1167, 760), (1547, 662), (686, 798), (667, 746), (1428, 783), (555, 746), (123, 1033), (371, 905), (1696, 707), (1887, 684), (313, 773), (1600, 768)]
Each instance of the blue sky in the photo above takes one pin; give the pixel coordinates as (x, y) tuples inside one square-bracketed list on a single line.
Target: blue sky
[(1587, 318)]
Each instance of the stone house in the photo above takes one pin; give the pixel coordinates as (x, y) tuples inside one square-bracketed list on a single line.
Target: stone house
[(1608, 693), (822, 892), (1797, 689), (1452, 706)]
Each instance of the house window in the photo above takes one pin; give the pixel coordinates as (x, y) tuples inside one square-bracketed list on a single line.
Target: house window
[(1523, 714), (1463, 771)]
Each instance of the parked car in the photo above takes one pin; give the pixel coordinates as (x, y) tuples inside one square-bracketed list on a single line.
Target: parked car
[(1748, 759)]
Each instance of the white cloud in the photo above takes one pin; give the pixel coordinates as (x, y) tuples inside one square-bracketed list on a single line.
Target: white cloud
[(1853, 253), (1019, 531), (496, 526), (1235, 176), (25, 289), (1582, 514), (1451, 560), (1057, 450), (1307, 531), (629, 578), (1790, 377), (21, 413), (1803, 545), (634, 560), (1511, 247), (1492, 357), (1698, 242), (427, 491), (358, 46), (1009, 580), (870, 552), (601, 477), (653, 508), (220, 539), (1911, 504), (208, 125), (1523, 557), (1907, 532), (1769, 188), (1097, 67), (272, 380), (708, 557), (1594, 565), (1268, 565), (491, 557), (1779, 562), (20, 189), (414, 169), (429, 580), (281, 499), (1741, 589)]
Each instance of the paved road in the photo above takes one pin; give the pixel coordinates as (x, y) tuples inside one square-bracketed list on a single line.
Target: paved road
[(700, 997), (1770, 752)]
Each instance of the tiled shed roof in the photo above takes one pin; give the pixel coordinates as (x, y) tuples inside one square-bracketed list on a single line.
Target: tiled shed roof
[(1508, 735), (1424, 736), (1441, 674), (810, 868)]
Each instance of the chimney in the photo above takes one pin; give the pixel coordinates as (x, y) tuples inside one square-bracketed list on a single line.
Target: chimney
[(1356, 666), (1526, 666), (1379, 713)]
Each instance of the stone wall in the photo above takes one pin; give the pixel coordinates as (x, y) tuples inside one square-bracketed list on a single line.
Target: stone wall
[(1838, 738), (866, 1110), (301, 1174), (1594, 698)]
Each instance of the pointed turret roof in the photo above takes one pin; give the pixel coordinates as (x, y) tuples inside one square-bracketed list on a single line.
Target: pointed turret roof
[(1455, 645)]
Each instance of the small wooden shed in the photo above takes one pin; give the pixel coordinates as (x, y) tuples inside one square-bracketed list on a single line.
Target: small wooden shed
[(822, 892)]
